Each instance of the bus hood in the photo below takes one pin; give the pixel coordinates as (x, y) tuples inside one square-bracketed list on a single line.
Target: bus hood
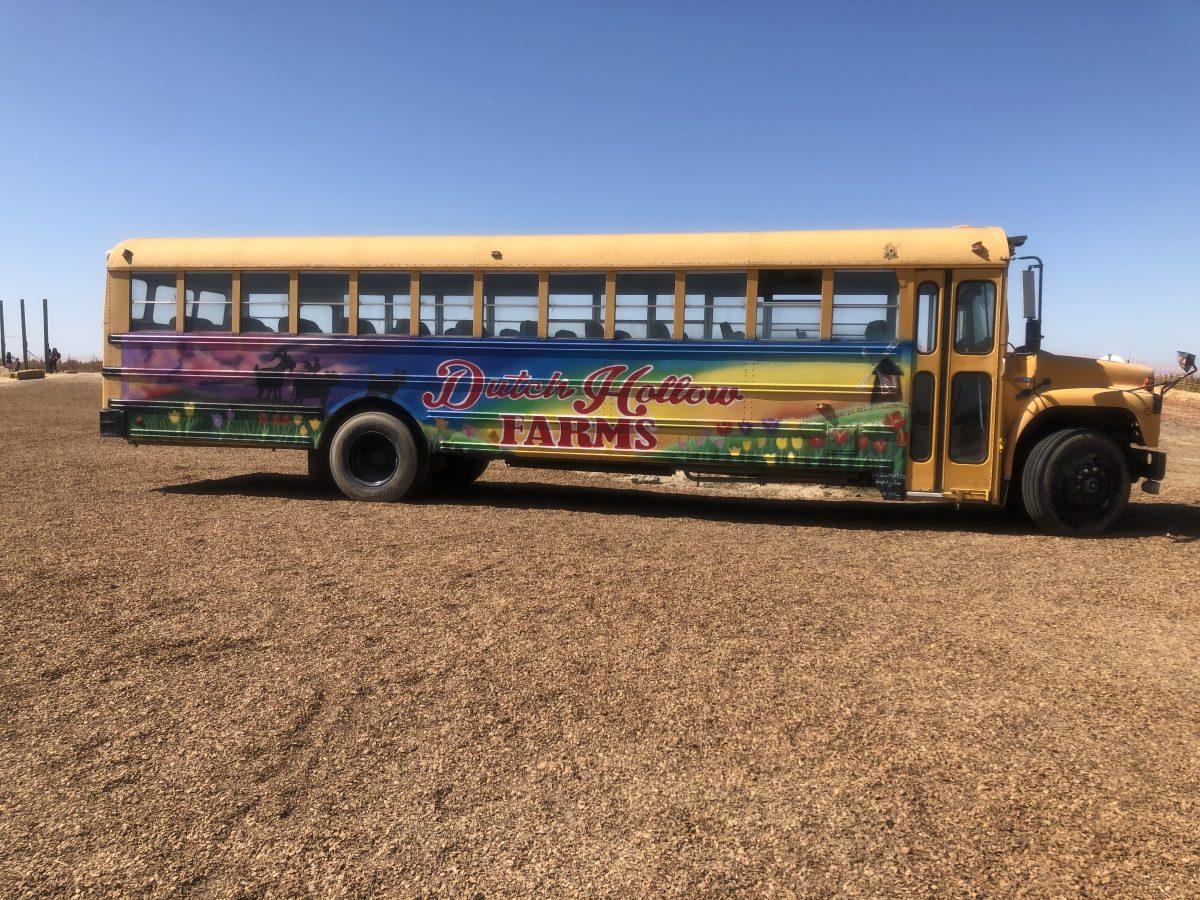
[(1079, 371)]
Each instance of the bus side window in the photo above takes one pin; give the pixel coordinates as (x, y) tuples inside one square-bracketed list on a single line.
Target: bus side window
[(576, 306), (865, 305), (447, 304), (152, 302), (510, 305), (789, 305), (206, 301), (324, 303), (265, 301), (714, 306), (383, 302), (645, 306)]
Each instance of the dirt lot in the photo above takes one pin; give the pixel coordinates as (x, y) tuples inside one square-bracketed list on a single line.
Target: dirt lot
[(216, 679)]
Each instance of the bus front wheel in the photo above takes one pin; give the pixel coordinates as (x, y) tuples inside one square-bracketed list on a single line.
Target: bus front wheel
[(373, 457), (1075, 482)]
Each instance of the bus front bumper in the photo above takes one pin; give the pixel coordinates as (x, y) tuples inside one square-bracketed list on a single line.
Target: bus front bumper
[(1144, 463)]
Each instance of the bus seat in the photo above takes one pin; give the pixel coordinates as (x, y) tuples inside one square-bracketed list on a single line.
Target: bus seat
[(509, 332), (484, 332), (284, 325), (254, 326), (529, 329), (423, 330), (195, 323), (728, 334), (622, 335), (659, 331), (366, 326), (877, 330), (593, 330), (564, 333), (308, 326), (400, 326)]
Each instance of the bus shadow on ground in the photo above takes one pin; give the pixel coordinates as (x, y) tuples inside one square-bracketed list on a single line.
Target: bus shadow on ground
[(1178, 521)]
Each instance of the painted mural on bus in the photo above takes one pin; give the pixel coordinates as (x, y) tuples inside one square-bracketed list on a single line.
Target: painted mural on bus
[(823, 405)]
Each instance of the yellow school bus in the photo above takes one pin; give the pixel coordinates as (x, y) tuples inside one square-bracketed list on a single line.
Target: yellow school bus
[(873, 357)]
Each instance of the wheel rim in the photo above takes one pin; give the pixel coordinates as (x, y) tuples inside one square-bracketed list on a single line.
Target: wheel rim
[(372, 458), (1086, 487)]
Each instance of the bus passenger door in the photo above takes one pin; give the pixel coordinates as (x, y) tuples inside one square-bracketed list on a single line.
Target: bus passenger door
[(972, 349), (924, 469)]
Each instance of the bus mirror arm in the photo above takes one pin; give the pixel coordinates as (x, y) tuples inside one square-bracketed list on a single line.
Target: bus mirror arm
[(1187, 362), (1031, 296)]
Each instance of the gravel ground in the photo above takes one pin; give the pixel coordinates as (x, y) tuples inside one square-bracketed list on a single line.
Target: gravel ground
[(217, 679)]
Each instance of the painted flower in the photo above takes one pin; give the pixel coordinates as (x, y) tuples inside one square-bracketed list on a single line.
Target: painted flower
[(894, 419), (297, 420), (880, 445), (281, 419), (745, 427), (863, 442), (173, 417), (735, 451), (770, 458), (263, 418), (762, 442), (770, 425), (791, 455), (441, 424), (493, 435), (817, 441), (303, 431), (218, 420), (781, 443), (746, 445), (468, 430), (314, 424), (797, 443), (724, 428), (840, 436), (189, 409)]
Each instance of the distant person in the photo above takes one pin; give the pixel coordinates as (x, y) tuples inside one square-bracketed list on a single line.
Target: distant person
[(55, 359), (9, 362)]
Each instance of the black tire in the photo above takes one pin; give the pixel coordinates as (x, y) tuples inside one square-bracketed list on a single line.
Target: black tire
[(1075, 482), (374, 457), (318, 466), (453, 472)]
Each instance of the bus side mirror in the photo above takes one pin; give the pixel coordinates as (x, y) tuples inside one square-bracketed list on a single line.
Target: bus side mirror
[(1187, 361), (1029, 293)]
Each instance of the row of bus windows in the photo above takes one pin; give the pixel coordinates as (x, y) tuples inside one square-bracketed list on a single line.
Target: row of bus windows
[(865, 304)]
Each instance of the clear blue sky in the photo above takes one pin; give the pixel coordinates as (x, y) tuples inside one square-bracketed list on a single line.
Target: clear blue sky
[(1077, 123)]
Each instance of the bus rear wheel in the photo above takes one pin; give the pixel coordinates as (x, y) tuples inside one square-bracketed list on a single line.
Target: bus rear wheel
[(1075, 482), (373, 457)]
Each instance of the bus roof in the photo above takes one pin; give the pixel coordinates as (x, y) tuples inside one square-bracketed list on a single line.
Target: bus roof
[(895, 248)]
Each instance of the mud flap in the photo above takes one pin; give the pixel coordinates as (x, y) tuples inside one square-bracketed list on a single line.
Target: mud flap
[(890, 485)]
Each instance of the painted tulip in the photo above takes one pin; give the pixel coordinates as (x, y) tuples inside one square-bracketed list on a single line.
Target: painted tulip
[(840, 436), (781, 443), (173, 417), (314, 424), (189, 409), (880, 446), (817, 442)]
